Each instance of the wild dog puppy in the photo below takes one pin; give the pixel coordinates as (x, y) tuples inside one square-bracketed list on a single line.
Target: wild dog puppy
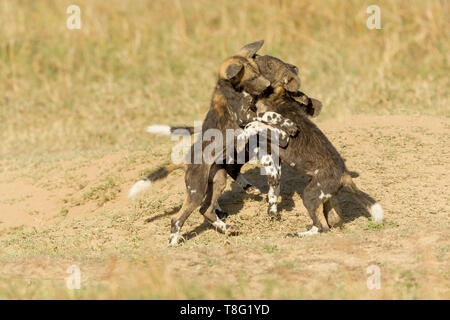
[(278, 73), (239, 81), (281, 75), (284, 80), (312, 154), (285, 75)]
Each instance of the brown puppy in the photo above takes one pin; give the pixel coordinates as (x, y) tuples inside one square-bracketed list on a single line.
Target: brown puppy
[(239, 80), (285, 75), (281, 75), (206, 182)]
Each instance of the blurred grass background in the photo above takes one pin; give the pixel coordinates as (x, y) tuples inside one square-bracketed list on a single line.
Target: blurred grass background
[(141, 62)]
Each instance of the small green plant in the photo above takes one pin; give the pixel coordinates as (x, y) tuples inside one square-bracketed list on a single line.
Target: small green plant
[(210, 261), (103, 193), (64, 212), (408, 281), (269, 248), (375, 226)]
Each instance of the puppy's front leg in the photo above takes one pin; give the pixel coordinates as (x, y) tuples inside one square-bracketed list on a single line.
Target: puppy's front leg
[(275, 119), (273, 172)]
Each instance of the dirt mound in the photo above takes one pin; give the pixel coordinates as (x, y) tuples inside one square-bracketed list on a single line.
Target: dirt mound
[(77, 207)]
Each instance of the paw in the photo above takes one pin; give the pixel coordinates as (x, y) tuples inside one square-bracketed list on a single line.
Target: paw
[(310, 232), (253, 190), (220, 226), (173, 239), (274, 215), (292, 131)]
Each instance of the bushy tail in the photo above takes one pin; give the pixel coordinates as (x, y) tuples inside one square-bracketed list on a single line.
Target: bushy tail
[(168, 130), (155, 175), (374, 208)]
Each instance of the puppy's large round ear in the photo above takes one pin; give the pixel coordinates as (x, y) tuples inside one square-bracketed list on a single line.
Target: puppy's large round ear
[(250, 49), (233, 71), (291, 84), (293, 68), (316, 107)]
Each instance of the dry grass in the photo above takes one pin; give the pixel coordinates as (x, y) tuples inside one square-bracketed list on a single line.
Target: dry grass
[(74, 105), (150, 61), (74, 210)]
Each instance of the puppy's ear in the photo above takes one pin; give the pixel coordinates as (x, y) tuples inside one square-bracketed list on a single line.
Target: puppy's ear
[(293, 68), (316, 107), (311, 106), (300, 97), (250, 49), (232, 71), (291, 84)]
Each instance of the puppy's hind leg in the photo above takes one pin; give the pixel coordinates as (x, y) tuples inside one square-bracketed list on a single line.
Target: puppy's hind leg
[(208, 201), (218, 186), (314, 229), (313, 199), (189, 205), (333, 212)]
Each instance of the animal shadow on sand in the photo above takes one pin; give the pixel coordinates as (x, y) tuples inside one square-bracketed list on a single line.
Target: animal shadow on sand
[(232, 201), (237, 201), (291, 182), (164, 214)]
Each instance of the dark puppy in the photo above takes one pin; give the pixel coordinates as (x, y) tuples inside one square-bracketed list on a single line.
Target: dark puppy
[(281, 75), (239, 81), (312, 154), (285, 75), (285, 82)]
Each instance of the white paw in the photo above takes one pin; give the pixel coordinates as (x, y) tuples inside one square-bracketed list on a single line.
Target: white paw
[(173, 240), (219, 224), (310, 232)]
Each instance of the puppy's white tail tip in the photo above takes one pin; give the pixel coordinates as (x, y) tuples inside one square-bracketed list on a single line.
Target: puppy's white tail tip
[(376, 211), (138, 187), (159, 129)]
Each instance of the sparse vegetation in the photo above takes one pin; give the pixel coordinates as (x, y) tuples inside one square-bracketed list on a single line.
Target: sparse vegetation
[(103, 193), (73, 110)]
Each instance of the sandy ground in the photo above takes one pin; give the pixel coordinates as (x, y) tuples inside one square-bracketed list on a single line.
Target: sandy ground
[(56, 211)]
